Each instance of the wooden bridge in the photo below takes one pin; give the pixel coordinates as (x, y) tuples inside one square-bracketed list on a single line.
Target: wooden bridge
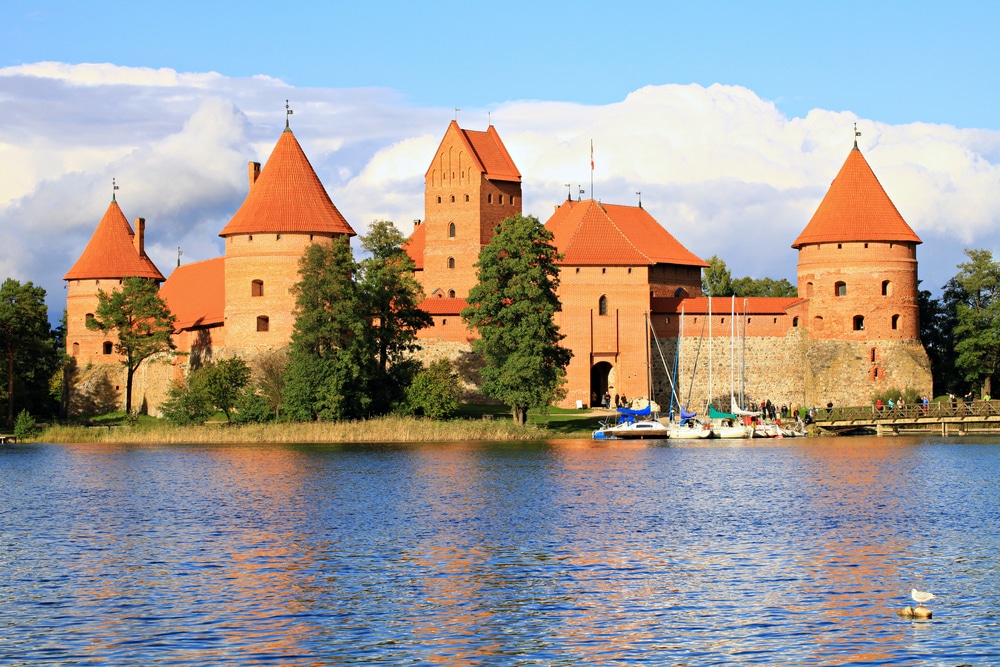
[(946, 418)]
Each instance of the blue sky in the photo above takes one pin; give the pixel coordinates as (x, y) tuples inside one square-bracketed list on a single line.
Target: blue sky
[(730, 117)]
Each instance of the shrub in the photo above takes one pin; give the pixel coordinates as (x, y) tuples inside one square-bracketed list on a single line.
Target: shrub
[(252, 408), (434, 392), (24, 426), (187, 403)]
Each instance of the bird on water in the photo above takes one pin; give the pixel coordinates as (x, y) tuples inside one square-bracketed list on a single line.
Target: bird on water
[(921, 597)]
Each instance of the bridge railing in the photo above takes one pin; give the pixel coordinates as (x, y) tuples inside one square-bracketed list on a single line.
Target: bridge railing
[(936, 410)]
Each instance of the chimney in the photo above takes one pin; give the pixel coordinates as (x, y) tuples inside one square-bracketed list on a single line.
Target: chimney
[(416, 223), (139, 239), (253, 172)]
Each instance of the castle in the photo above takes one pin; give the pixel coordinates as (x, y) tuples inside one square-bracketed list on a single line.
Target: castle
[(630, 292)]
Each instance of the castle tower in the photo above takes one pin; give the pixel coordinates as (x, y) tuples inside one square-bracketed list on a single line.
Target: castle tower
[(471, 185), (285, 211), (858, 261), (857, 275), (113, 253)]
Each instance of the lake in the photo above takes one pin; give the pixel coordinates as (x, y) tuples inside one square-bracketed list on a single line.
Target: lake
[(783, 552)]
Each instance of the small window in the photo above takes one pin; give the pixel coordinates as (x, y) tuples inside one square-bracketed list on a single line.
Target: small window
[(604, 270), (602, 305), (578, 269), (859, 322), (630, 270), (451, 230), (108, 347), (809, 289), (775, 321), (872, 354), (501, 200), (668, 320), (866, 245), (263, 323), (453, 199), (466, 198), (439, 200), (795, 321), (451, 262), (90, 319), (839, 246), (277, 237), (451, 294), (886, 288), (895, 322), (76, 349), (444, 321), (840, 288), (250, 238), (489, 198), (257, 288), (512, 200)]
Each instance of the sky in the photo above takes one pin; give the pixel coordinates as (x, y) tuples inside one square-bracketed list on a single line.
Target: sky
[(730, 118)]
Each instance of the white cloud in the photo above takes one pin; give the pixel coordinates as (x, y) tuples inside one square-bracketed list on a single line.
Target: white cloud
[(724, 171)]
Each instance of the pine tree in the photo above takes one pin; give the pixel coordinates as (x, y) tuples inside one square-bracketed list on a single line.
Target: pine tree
[(27, 340), (512, 308)]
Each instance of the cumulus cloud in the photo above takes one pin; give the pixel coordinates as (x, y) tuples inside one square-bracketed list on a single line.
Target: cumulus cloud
[(725, 171)]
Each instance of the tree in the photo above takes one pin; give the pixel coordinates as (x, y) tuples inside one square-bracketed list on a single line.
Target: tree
[(512, 308), (224, 382), (718, 281), (330, 364), (392, 295), (27, 339), (977, 333), (142, 320), (434, 392), (937, 326), (717, 278), (187, 401)]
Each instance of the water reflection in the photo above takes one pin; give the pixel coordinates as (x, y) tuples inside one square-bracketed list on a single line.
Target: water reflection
[(794, 552)]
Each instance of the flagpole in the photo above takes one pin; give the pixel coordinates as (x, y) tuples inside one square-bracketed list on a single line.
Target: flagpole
[(592, 170)]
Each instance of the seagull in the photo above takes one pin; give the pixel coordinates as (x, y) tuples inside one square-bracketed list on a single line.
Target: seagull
[(921, 597)]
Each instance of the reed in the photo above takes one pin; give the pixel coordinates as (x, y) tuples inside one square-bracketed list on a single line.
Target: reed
[(382, 429)]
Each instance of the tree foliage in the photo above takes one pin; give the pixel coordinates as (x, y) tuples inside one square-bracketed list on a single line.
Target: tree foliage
[(355, 323), (718, 281), (977, 311), (187, 401), (512, 308), (434, 392), (937, 333), (224, 383), (142, 321), (30, 346)]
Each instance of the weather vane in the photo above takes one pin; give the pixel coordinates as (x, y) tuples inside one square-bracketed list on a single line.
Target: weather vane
[(456, 113), (288, 112), (179, 253), (639, 192), (856, 135), (114, 187), (569, 192)]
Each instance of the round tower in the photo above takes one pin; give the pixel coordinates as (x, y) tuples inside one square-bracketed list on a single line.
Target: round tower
[(286, 210)]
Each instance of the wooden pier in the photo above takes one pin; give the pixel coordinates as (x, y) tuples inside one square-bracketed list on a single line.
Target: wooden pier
[(946, 419)]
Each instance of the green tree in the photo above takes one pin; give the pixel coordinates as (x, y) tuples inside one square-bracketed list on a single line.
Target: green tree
[(330, 361), (937, 333), (142, 320), (977, 333), (717, 280), (187, 401), (269, 378), (224, 382), (28, 341), (512, 308), (748, 286), (434, 392), (392, 295)]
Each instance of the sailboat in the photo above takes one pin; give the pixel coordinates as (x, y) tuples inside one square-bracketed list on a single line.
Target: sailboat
[(730, 425)]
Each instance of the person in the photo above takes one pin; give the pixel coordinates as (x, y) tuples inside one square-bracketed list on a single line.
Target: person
[(878, 405), (618, 400), (607, 400), (892, 404), (986, 397), (624, 401), (926, 402)]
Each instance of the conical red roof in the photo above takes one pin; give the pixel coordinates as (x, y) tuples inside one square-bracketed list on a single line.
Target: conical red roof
[(856, 208), (590, 233), (287, 197), (111, 252)]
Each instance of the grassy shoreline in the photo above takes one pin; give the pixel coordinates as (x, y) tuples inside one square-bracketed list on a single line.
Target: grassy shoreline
[(381, 429)]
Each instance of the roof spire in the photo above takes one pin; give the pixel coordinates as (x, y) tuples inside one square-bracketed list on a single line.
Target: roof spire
[(639, 192), (113, 188), (856, 135), (569, 192), (288, 112)]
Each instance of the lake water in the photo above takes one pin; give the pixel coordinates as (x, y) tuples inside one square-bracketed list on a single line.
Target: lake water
[(793, 552)]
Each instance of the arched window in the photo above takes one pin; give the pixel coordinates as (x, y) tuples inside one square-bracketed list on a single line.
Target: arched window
[(859, 322), (89, 318), (451, 294), (895, 322), (263, 323), (108, 347), (809, 289), (453, 199), (257, 288), (466, 198), (886, 288), (451, 230), (451, 262), (818, 323), (602, 305), (439, 200), (76, 349), (840, 288)]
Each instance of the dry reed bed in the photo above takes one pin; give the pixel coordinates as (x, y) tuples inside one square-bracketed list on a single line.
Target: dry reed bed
[(384, 429)]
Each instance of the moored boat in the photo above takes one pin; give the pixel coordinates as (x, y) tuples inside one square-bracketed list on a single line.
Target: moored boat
[(632, 424)]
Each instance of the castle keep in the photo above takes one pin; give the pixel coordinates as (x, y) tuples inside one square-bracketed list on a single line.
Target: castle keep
[(630, 291)]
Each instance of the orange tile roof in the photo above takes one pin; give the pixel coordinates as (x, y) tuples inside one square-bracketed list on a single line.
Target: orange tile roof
[(414, 246), (856, 208), (488, 152), (590, 233), (287, 197), (196, 293), (755, 305), (111, 252), (436, 306)]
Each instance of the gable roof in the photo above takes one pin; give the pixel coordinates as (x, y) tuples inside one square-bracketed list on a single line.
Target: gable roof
[(590, 233), (111, 252), (487, 151), (442, 306), (414, 246), (698, 305), (287, 197), (856, 208), (196, 293)]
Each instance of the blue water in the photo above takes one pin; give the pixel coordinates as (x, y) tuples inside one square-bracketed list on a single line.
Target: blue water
[(794, 552)]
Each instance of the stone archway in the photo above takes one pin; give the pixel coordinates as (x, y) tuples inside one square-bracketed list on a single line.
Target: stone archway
[(599, 382)]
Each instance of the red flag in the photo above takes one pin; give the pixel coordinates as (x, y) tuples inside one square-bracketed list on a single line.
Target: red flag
[(592, 155)]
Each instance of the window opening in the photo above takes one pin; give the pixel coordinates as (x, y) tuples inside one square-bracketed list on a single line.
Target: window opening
[(263, 323), (257, 288), (602, 305)]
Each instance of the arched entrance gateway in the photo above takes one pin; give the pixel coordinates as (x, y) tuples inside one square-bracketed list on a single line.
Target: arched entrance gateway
[(600, 374)]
